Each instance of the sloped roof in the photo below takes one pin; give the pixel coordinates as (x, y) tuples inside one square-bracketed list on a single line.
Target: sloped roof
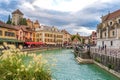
[(9, 26), (17, 12), (49, 28), (64, 31), (26, 28), (111, 15)]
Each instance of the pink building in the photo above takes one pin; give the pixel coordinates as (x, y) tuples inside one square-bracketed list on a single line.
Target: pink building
[(94, 37), (24, 33)]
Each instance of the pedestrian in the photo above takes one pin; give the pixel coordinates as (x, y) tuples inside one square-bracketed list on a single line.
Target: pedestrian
[(105, 49)]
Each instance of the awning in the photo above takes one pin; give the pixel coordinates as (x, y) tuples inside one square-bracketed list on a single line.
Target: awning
[(9, 40), (50, 43), (37, 43)]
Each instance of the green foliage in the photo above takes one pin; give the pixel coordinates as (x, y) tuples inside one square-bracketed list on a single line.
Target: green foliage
[(13, 23), (83, 41), (97, 59), (23, 21), (110, 66), (16, 65), (9, 20), (75, 36), (78, 38), (72, 38)]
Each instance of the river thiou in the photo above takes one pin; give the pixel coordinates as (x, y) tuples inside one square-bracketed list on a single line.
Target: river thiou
[(67, 68)]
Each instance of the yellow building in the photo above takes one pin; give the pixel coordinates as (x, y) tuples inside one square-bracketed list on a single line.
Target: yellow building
[(66, 37), (7, 33), (29, 23), (32, 24), (49, 35)]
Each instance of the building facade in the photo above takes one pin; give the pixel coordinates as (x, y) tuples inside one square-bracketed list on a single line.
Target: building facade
[(76, 39), (48, 35), (108, 31), (17, 15), (66, 37), (93, 38), (8, 34), (24, 33)]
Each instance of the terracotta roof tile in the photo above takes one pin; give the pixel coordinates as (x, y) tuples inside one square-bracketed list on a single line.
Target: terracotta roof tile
[(64, 31), (111, 15), (17, 12), (9, 26)]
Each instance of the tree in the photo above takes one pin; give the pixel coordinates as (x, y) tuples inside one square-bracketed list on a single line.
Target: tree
[(73, 36), (23, 21), (9, 20), (83, 41), (78, 37)]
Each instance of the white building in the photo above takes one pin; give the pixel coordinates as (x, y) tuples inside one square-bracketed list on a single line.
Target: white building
[(108, 31)]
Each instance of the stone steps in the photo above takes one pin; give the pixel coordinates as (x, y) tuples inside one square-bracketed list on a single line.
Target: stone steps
[(84, 61)]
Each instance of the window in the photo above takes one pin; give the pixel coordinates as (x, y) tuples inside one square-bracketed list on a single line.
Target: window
[(111, 43), (10, 34), (102, 43), (113, 33), (0, 33), (110, 23), (119, 20), (37, 35), (105, 34)]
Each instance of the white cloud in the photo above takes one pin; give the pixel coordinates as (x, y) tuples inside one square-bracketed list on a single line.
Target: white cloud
[(66, 14), (84, 31), (63, 5), (73, 29), (4, 12)]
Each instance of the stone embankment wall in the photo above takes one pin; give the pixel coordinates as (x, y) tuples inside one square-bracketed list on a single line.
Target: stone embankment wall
[(108, 61), (106, 58)]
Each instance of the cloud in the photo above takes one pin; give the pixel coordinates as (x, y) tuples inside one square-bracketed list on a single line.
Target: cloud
[(84, 31), (63, 5), (72, 15)]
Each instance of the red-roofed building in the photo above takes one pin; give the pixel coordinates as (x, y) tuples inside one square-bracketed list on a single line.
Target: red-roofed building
[(24, 33), (108, 31)]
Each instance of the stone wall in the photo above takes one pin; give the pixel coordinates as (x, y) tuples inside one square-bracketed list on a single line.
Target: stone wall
[(108, 61)]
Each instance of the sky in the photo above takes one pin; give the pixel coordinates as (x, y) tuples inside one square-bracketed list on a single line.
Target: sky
[(76, 16)]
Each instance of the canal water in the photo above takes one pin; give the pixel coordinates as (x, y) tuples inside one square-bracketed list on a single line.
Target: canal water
[(65, 67)]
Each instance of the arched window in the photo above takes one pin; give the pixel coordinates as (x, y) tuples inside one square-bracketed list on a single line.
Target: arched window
[(113, 33), (110, 23)]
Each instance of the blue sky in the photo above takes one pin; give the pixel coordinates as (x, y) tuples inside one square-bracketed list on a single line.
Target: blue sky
[(80, 16)]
